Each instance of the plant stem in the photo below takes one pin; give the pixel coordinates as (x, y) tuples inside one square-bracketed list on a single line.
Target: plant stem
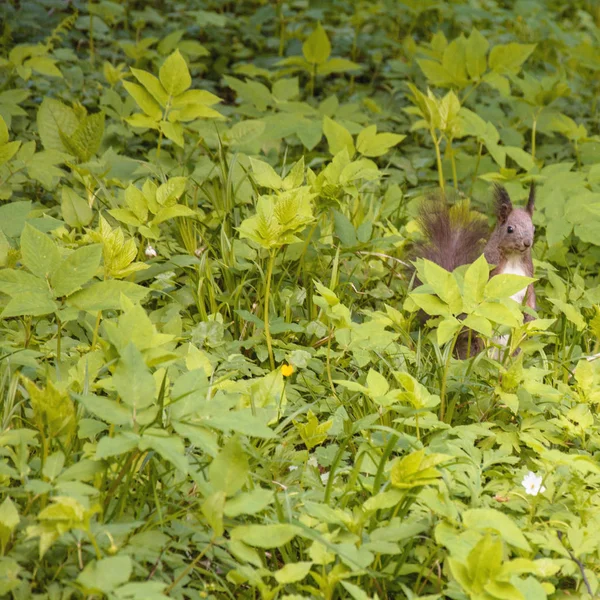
[(438, 157), (190, 566), (453, 163), (266, 309), (445, 377), (96, 329)]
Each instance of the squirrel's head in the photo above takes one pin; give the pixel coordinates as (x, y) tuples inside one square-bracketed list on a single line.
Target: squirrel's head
[(514, 227)]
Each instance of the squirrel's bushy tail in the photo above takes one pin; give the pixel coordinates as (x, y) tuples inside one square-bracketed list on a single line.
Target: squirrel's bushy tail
[(452, 235)]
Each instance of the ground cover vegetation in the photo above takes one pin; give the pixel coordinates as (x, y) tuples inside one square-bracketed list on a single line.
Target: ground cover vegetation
[(214, 381)]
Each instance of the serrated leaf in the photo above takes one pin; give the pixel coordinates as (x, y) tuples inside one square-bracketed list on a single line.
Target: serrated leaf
[(106, 295), (76, 270), (133, 380), (54, 118), (508, 58), (75, 210), (317, 48), (35, 305), (85, 141), (265, 175), (228, 471), (39, 252), (174, 74), (338, 137), (152, 86)]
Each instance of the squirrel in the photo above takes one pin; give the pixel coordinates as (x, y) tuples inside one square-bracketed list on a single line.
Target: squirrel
[(452, 237)]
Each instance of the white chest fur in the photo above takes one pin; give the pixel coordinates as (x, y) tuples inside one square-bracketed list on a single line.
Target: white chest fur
[(514, 266)]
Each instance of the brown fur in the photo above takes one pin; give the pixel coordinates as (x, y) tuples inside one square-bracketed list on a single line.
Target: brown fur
[(453, 237), (516, 246)]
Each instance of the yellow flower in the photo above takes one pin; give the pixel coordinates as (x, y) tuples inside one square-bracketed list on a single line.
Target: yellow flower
[(287, 370)]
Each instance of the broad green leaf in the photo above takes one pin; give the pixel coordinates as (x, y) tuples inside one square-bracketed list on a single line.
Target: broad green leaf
[(9, 519), (504, 286), (377, 384), (106, 409), (174, 74), (152, 85), (173, 132), (447, 329), (475, 55), (75, 210), (484, 519), (370, 143), (33, 304), (292, 572), (40, 253), (338, 137), (508, 58), (479, 324), (14, 283), (3, 132), (144, 100), (265, 175), (265, 536), (53, 465), (106, 575), (229, 470), (172, 212), (53, 119), (317, 48), (8, 150), (168, 193), (133, 379), (85, 141), (430, 304), (170, 447), (106, 295), (212, 509), (76, 270), (249, 503), (117, 445), (475, 281)]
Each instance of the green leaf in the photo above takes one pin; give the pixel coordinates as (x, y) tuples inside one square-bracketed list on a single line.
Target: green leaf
[(292, 572), (249, 503), (106, 575), (316, 48), (40, 254), (106, 409), (85, 141), (15, 283), (152, 85), (475, 55), (476, 278), (33, 304), (168, 193), (508, 58), (174, 74), (106, 295), (504, 286), (338, 137), (485, 519), (53, 119), (170, 447), (212, 509), (370, 143), (447, 329), (228, 471), (9, 519), (74, 209), (76, 270), (133, 380), (265, 175), (265, 536)]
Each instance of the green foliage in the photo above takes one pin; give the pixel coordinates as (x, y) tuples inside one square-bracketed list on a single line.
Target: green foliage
[(217, 379)]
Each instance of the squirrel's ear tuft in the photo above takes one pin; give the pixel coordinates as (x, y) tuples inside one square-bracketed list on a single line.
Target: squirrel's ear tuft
[(531, 200), (503, 204)]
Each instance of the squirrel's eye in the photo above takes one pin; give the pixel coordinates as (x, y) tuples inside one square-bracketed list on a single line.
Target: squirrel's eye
[(510, 229)]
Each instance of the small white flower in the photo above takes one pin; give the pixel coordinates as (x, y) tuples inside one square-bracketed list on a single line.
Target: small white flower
[(293, 467), (312, 462), (325, 477), (533, 484), (150, 252)]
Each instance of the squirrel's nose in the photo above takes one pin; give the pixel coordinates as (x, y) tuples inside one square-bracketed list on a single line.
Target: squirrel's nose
[(526, 243)]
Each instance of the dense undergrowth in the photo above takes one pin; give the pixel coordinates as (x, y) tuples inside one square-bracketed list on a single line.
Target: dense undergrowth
[(214, 382)]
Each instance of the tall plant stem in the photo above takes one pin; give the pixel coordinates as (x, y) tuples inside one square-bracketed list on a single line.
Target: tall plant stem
[(438, 157), (266, 310)]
